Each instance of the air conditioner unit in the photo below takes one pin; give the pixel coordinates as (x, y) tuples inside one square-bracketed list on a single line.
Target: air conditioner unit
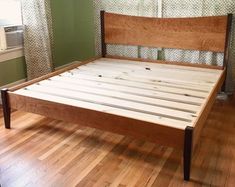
[(3, 44), (11, 37)]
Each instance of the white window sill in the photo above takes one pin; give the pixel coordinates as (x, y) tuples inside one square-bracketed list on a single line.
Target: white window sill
[(11, 54)]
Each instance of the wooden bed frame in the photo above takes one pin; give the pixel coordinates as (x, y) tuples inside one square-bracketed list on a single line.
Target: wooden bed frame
[(203, 34)]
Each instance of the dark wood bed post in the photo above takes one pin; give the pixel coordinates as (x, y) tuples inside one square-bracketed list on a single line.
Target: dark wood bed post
[(227, 45), (188, 139), (6, 108), (103, 44)]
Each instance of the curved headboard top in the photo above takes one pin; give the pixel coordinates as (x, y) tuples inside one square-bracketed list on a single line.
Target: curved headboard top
[(199, 33)]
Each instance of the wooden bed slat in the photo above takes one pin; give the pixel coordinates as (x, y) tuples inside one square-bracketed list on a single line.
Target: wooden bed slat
[(175, 71), (174, 64), (149, 76), (146, 62), (160, 88), (113, 102), (60, 70), (204, 33), (116, 123), (159, 75), (146, 73), (147, 82), (101, 108), (125, 96), (136, 91)]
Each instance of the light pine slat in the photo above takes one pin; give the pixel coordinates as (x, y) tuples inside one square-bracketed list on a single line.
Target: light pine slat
[(158, 65), (140, 85), (137, 91), (57, 72), (113, 102), (175, 72), (149, 71), (106, 109), (145, 81), (148, 74), (164, 62), (125, 96), (153, 78)]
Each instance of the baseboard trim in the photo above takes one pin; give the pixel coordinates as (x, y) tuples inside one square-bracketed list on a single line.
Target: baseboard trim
[(63, 66), (11, 54)]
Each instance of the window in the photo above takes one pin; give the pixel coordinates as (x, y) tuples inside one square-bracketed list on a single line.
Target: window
[(11, 30), (10, 12)]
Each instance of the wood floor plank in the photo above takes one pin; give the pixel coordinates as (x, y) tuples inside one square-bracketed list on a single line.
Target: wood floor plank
[(121, 178), (62, 157), (48, 153), (18, 165), (109, 168)]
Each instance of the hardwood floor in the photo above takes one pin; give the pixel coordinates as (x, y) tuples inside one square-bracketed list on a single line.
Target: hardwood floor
[(38, 151)]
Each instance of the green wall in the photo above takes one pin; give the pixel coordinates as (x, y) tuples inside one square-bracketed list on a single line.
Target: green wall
[(73, 38), (73, 30), (12, 70)]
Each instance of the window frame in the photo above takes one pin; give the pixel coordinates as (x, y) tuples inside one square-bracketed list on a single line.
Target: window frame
[(10, 54)]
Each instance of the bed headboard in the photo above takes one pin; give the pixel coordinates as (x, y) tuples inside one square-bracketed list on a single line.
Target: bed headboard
[(199, 33)]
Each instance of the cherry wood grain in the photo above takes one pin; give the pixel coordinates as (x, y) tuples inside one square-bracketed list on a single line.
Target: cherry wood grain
[(204, 33), (200, 121), (101, 120)]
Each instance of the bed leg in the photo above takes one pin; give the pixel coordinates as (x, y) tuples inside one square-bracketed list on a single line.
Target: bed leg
[(6, 108), (187, 152), (223, 88), (103, 44)]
